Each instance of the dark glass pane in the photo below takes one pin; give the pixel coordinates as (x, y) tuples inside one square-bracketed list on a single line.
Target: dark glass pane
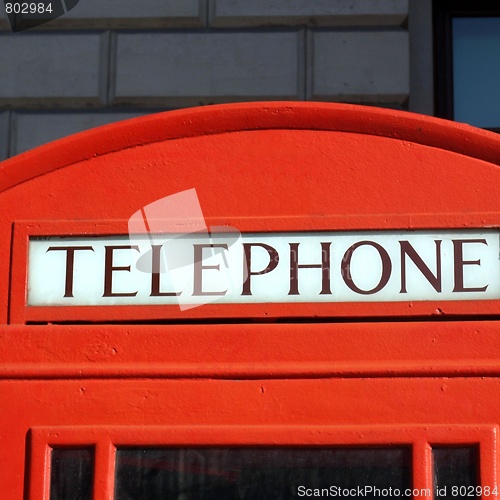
[(256, 473), (455, 472), (71, 473)]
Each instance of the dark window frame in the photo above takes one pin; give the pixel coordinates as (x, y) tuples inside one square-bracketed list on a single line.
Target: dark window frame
[(443, 13)]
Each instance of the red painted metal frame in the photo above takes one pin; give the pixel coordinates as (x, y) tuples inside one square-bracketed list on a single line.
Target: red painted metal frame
[(105, 440), (251, 351), (196, 122), (320, 374)]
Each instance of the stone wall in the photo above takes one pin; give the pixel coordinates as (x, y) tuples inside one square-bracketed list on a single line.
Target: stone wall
[(108, 60)]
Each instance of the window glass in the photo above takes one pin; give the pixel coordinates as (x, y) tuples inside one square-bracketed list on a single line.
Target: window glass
[(455, 472), (256, 473), (71, 473), (476, 70)]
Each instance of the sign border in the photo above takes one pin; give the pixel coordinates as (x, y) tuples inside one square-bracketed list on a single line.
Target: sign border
[(21, 313)]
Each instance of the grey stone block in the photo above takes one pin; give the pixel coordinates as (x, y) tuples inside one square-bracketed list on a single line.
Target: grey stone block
[(184, 69), (361, 67), (50, 69), (4, 134), (308, 12), (149, 14), (36, 129)]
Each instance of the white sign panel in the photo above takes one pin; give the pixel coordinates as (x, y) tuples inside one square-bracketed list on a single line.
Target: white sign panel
[(264, 267)]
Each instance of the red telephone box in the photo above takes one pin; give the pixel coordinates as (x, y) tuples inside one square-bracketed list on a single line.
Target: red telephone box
[(265, 300)]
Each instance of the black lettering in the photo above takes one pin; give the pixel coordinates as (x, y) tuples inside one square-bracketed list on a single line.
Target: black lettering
[(324, 266), (70, 266), (247, 271), (386, 268)]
